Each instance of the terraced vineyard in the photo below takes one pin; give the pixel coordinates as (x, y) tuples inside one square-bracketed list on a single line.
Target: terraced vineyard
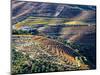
[(42, 48), (50, 37)]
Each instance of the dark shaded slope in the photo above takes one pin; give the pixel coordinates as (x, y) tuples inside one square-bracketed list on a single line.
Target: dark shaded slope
[(21, 11)]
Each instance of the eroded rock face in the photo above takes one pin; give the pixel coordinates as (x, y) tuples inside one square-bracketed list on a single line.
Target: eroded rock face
[(45, 48)]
